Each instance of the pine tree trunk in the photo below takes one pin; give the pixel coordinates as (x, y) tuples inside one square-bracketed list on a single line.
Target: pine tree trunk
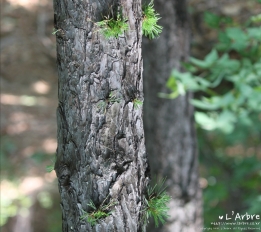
[(101, 153), (169, 126)]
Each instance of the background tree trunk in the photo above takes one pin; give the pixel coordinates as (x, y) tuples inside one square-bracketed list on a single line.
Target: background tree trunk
[(101, 153), (169, 125)]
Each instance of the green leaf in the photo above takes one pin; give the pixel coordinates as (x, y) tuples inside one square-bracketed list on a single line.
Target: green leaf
[(205, 121), (254, 101), (224, 42), (172, 83), (257, 70), (245, 89), (203, 82), (215, 102), (49, 168), (254, 33), (189, 67), (172, 95), (256, 18), (212, 20), (238, 38), (212, 57), (224, 121), (207, 103), (226, 65), (226, 100), (244, 118), (257, 89), (236, 33), (184, 81), (200, 63), (209, 60)]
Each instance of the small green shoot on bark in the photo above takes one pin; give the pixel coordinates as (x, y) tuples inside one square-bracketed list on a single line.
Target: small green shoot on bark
[(55, 31), (102, 105), (97, 213), (111, 27), (113, 98), (137, 103), (150, 28), (156, 204)]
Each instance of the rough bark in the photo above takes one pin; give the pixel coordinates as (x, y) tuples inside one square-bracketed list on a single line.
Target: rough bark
[(169, 126), (101, 153)]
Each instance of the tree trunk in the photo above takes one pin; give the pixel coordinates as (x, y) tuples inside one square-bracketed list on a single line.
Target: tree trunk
[(169, 129), (101, 153)]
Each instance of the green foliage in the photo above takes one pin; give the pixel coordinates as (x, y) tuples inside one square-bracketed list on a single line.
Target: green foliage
[(55, 31), (111, 27), (113, 98), (150, 28), (12, 204), (231, 168), (214, 20), (7, 150), (97, 213), (45, 199), (156, 204), (227, 84), (50, 168), (137, 103), (234, 64), (54, 216), (256, 18), (102, 106)]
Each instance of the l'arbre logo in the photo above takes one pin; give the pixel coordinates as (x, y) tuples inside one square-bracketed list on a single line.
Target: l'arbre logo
[(240, 217)]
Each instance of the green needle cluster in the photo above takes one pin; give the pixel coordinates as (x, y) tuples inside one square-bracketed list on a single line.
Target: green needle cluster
[(150, 28), (97, 213), (113, 27), (156, 204)]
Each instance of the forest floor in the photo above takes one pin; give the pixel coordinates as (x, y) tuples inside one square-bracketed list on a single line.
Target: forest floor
[(28, 115)]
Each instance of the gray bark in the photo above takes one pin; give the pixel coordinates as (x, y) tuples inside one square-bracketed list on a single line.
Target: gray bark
[(169, 126), (101, 152)]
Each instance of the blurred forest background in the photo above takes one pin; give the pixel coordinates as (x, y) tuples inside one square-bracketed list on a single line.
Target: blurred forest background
[(225, 76)]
